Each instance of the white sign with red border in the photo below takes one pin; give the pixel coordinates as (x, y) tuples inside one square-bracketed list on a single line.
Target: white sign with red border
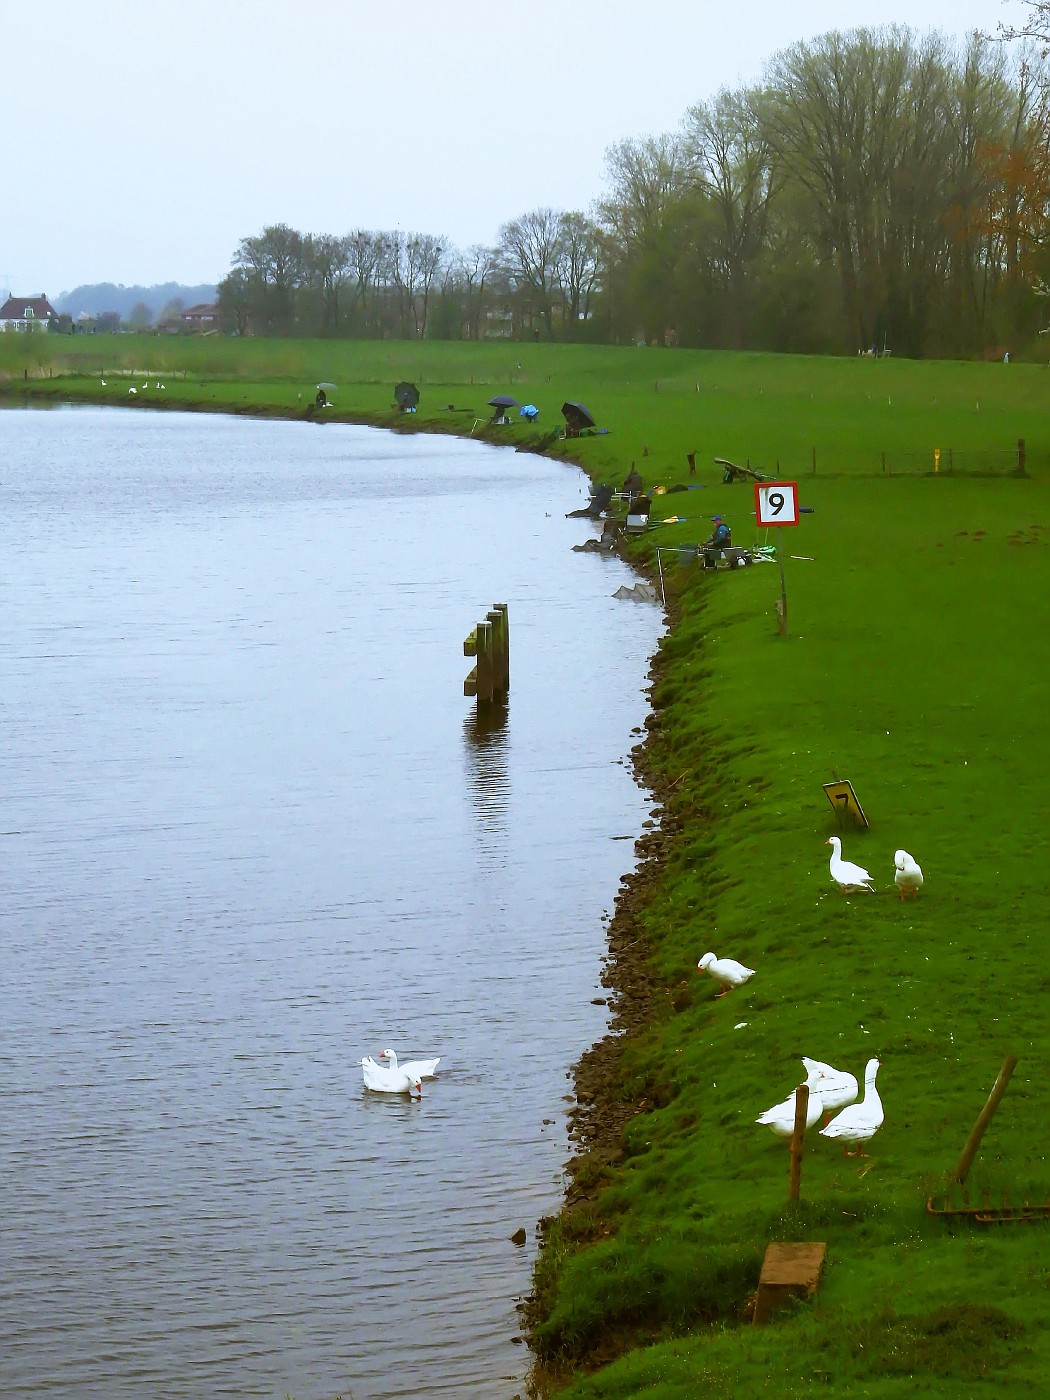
[(776, 502)]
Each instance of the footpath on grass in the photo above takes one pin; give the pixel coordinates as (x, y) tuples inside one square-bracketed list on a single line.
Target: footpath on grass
[(914, 665)]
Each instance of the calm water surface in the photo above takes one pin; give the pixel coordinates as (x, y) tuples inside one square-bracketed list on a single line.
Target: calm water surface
[(251, 830)]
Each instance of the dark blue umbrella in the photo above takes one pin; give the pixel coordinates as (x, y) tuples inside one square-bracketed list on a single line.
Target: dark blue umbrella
[(577, 416)]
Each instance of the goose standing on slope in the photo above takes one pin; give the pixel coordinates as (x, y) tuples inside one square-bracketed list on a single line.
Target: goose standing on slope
[(861, 1121), (908, 875), (845, 874), (836, 1087), (417, 1069), (781, 1117), (726, 971)]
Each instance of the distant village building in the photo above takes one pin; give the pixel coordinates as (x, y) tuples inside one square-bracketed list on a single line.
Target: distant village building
[(202, 317), (27, 313), (497, 323)]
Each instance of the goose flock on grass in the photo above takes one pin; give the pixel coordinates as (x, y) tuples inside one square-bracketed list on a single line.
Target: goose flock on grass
[(830, 1089), (907, 873)]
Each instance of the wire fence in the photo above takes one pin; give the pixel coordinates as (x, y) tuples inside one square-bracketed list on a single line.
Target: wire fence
[(947, 461), (958, 462)]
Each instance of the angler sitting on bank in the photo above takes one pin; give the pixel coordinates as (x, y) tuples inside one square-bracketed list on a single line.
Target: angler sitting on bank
[(721, 538)]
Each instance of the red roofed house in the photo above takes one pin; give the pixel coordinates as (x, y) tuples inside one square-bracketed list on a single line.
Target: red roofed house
[(24, 313)]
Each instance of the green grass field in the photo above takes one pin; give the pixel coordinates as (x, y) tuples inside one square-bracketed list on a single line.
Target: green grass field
[(915, 666)]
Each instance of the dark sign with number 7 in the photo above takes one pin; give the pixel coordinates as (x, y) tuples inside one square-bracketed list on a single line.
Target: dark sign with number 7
[(776, 502)]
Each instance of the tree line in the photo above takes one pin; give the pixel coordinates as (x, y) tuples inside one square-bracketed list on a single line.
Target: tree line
[(878, 189)]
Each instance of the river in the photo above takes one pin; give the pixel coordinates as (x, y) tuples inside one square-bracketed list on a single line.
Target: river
[(251, 830)]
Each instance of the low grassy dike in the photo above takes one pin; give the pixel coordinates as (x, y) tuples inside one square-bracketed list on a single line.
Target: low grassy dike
[(915, 666)]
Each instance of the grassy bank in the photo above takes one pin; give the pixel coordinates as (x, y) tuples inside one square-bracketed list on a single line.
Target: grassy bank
[(915, 666), (874, 416)]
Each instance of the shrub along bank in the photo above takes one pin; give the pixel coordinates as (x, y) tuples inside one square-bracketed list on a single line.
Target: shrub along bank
[(914, 666)]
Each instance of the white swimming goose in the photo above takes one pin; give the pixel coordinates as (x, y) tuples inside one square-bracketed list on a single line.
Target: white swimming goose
[(419, 1069), (845, 874), (389, 1081), (781, 1117), (836, 1087), (726, 971), (861, 1121), (908, 875)]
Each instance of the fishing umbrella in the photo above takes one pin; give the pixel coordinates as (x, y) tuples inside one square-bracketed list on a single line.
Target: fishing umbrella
[(577, 416), (503, 401), (407, 395)]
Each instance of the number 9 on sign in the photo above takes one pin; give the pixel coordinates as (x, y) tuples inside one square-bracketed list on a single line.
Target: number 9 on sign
[(776, 503)]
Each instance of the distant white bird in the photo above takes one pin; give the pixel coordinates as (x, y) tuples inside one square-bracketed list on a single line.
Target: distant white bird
[(836, 1087), (845, 874), (781, 1117), (908, 877), (103, 383), (417, 1069), (389, 1081), (861, 1121), (132, 390), (726, 971)]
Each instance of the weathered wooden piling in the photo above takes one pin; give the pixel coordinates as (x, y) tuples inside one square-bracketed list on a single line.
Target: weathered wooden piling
[(986, 1115), (798, 1140), (490, 644)]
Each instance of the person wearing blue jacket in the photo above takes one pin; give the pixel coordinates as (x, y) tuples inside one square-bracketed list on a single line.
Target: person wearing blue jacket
[(721, 536)]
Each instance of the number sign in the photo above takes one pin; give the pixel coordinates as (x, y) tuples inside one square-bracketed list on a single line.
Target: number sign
[(845, 801), (776, 502)]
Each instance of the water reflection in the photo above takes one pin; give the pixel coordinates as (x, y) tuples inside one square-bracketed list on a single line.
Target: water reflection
[(486, 754)]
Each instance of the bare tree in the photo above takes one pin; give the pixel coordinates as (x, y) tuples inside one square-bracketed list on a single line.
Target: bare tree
[(473, 270), (330, 271), (424, 256), (577, 264), (648, 178), (731, 164), (531, 247)]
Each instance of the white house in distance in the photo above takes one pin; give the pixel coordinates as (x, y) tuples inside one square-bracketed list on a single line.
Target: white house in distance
[(25, 313)]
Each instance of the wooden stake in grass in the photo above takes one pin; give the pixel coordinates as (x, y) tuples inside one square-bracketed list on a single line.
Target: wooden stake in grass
[(798, 1138), (986, 1116)]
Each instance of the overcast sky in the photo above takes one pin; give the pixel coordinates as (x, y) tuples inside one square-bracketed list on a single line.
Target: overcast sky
[(144, 141)]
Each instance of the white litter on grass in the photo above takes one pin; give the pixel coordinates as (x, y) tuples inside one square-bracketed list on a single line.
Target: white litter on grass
[(740, 1025)]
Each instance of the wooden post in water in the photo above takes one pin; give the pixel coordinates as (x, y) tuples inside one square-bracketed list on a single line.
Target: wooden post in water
[(490, 644), (798, 1138)]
